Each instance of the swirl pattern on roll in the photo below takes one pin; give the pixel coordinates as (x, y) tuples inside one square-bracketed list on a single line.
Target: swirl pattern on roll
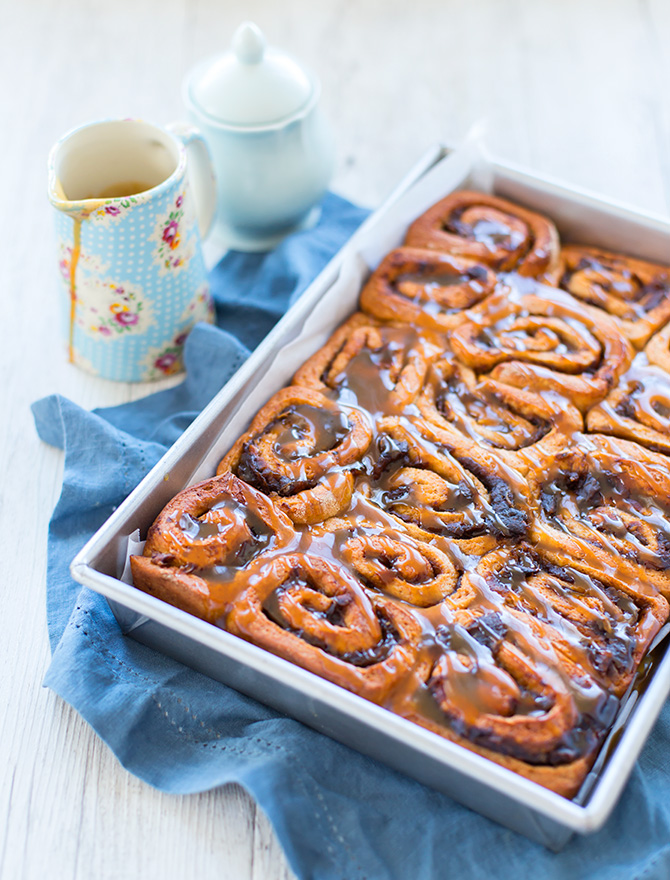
[(202, 537), (658, 349), (297, 451), (315, 613), (528, 658), (636, 294), (426, 288), (637, 409), (441, 487), (422, 519), (492, 413), (379, 367), (390, 561), (606, 503), (496, 232), (546, 342)]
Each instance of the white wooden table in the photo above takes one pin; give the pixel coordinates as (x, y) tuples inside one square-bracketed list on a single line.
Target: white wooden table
[(579, 89)]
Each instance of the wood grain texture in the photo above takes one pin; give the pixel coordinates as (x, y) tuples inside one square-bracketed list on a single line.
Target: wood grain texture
[(579, 89)]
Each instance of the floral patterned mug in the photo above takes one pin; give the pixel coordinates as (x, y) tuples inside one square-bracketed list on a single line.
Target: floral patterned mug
[(131, 210)]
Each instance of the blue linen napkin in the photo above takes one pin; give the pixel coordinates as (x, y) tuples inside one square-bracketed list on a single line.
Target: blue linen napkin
[(337, 814)]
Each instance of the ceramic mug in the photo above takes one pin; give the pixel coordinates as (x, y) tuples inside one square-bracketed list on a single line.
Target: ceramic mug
[(131, 209)]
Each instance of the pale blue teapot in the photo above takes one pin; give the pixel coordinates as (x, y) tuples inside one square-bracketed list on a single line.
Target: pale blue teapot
[(272, 148)]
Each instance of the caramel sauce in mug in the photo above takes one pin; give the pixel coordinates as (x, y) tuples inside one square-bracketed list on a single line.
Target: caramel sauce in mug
[(121, 190)]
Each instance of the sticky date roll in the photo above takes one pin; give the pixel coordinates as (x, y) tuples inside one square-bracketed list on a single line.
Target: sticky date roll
[(637, 409), (297, 452), (496, 701), (492, 413), (658, 349), (200, 539), (392, 562), (316, 614), (531, 658), (636, 294), (547, 342), (426, 288), (377, 366), (596, 624), (442, 487), (605, 502), (491, 230)]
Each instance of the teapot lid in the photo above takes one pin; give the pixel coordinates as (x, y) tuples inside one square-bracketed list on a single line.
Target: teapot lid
[(252, 84)]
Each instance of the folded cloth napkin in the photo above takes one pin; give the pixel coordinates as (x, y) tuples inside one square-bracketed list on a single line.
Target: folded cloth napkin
[(337, 814)]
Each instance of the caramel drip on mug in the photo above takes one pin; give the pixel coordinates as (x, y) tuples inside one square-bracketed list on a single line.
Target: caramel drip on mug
[(74, 260)]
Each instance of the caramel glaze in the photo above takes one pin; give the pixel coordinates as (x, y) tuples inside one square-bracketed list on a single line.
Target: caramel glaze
[(606, 503), (424, 519), (500, 234), (634, 293), (638, 408)]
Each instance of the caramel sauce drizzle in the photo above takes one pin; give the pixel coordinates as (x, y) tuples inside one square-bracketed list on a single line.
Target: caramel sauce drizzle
[(74, 260), (513, 548)]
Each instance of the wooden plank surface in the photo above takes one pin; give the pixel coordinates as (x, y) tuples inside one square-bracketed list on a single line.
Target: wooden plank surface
[(578, 89)]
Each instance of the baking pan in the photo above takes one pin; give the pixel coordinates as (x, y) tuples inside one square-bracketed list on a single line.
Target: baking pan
[(471, 779)]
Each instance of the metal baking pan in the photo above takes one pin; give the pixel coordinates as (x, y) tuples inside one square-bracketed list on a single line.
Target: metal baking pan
[(469, 778)]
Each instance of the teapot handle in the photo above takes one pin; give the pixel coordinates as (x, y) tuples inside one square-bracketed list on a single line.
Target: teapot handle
[(200, 172)]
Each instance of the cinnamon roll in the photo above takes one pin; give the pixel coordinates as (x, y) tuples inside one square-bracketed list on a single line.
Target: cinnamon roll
[(316, 614), (379, 367), (440, 487), (426, 288), (605, 502), (528, 660), (545, 342), (420, 517), (390, 561), (492, 413), (658, 349), (503, 707), (202, 537), (493, 231), (637, 409), (299, 450), (636, 294), (599, 624)]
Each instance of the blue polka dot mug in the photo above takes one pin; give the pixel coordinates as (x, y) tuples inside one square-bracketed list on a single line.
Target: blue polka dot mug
[(132, 202)]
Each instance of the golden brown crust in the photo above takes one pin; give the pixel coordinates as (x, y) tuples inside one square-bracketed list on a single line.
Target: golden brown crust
[(547, 343), (314, 613), (496, 232), (297, 451), (658, 349), (379, 366), (178, 587), (426, 288), (634, 293), (202, 537), (637, 409), (419, 517)]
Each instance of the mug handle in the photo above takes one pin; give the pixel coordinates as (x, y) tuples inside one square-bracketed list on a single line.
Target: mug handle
[(200, 173)]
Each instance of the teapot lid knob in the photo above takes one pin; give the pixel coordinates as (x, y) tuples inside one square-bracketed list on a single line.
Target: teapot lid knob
[(249, 43), (252, 84)]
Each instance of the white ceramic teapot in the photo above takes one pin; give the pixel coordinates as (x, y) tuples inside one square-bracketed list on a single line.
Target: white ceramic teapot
[(258, 110)]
